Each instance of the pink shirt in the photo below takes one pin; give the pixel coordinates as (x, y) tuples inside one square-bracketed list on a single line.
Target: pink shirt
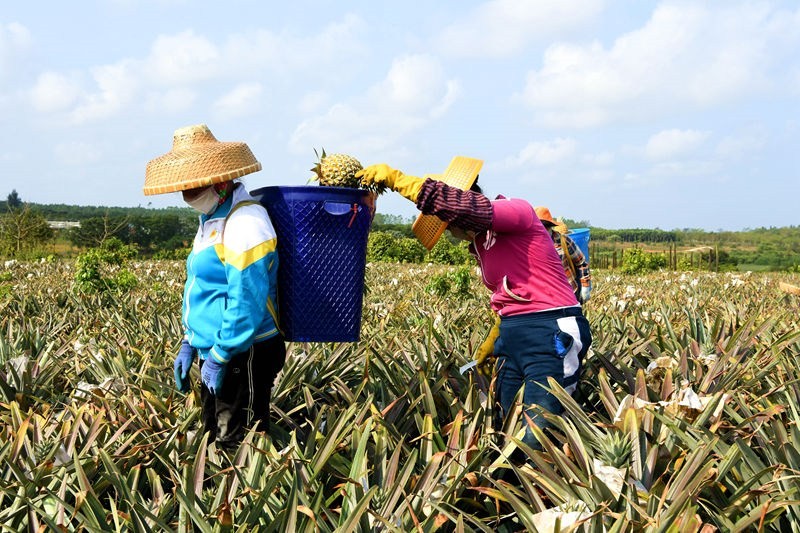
[(519, 263)]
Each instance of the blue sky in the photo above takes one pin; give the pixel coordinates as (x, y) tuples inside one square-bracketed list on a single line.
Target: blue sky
[(631, 113)]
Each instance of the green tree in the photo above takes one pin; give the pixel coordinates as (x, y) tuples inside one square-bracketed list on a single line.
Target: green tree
[(382, 219), (409, 251), (23, 229), (102, 269), (13, 201), (161, 231), (95, 231), (381, 246), (637, 261), (449, 253)]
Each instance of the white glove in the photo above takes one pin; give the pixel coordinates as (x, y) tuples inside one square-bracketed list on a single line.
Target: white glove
[(585, 294)]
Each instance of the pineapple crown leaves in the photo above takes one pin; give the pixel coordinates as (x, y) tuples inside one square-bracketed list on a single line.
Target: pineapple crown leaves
[(317, 168), (614, 448)]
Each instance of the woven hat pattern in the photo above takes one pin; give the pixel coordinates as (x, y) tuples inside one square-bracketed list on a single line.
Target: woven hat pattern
[(198, 159), (461, 173)]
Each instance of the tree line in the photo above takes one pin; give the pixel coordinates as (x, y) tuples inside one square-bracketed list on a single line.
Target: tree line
[(167, 232)]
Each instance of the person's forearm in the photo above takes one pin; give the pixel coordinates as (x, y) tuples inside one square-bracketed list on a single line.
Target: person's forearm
[(468, 210)]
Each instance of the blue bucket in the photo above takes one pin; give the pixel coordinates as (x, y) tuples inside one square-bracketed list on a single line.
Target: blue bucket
[(581, 238), (322, 250)]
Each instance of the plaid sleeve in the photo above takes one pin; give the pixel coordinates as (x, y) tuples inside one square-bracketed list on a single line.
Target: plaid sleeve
[(581, 266), (467, 210)]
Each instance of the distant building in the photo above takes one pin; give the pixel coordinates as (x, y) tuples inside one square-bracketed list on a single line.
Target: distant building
[(63, 224)]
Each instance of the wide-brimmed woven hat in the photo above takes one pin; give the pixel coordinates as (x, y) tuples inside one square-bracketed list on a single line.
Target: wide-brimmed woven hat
[(197, 159), (544, 215), (461, 173)]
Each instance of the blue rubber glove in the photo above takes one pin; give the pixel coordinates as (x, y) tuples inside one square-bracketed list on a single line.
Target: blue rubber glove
[(183, 363), (585, 294), (213, 373)]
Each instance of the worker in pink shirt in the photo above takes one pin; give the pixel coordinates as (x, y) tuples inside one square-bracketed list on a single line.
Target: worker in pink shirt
[(541, 331)]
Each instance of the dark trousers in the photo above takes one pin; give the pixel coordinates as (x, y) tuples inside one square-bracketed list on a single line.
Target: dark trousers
[(534, 347), (244, 399)]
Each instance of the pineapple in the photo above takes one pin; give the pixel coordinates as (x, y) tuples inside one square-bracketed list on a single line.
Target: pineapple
[(336, 170), (339, 170), (614, 449)]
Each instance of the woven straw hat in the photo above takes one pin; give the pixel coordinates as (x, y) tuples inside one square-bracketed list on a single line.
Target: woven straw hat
[(544, 215), (197, 159), (461, 173)]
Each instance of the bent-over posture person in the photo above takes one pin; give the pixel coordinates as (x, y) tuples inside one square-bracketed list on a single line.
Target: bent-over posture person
[(542, 332)]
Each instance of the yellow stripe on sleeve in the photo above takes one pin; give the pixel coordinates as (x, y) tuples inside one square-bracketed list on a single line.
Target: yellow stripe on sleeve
[(248, 257), (273, 312)]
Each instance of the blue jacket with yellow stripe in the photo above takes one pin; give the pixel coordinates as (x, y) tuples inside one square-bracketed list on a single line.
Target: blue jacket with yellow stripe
[(229, 301)]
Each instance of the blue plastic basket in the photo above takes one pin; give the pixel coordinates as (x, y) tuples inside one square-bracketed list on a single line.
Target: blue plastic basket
[(322, 250), (581, 238)]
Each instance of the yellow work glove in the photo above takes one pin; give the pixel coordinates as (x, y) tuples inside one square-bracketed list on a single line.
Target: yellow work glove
[(485, 352), (383, 174)]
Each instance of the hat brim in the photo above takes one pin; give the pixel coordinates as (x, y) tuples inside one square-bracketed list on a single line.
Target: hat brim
[(198, 159), (557, 225), (461, 173), (205, 181)]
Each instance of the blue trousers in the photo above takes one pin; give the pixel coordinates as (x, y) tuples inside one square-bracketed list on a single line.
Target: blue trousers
[(534, 347)]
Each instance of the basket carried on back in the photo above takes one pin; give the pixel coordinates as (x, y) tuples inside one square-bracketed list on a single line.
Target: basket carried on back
[(322, 248), (581, 238)]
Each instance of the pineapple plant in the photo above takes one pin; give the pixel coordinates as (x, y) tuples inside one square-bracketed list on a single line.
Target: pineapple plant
[(614, 449), (338, 170), (392, 417)]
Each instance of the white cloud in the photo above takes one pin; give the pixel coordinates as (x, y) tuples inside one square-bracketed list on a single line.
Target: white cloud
[(600, 159), (686, 55), (127, 4), (171, 101), (322, 55), (673, 143), (353, 129), (183, 58), (335, 47), (178, 63), (742, 145), (543, 153), (245, 98), (414, 92), (594, 176), (14, 38), (117, 86), (54, 92), (672, 170), (503, 27), (415, 83), (114, 88), (452, 93), (77, 153), (312, 102)]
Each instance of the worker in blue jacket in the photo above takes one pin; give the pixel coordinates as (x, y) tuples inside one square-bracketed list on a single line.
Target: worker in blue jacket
[(230, 316)]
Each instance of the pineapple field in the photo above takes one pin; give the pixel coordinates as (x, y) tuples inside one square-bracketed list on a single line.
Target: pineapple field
[(686, 418)]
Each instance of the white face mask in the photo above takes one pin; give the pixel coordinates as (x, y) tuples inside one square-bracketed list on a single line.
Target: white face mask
[(205, 202)]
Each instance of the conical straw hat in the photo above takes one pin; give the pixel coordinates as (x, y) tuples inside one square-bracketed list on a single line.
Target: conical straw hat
[(197, 159), (461, 173)]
